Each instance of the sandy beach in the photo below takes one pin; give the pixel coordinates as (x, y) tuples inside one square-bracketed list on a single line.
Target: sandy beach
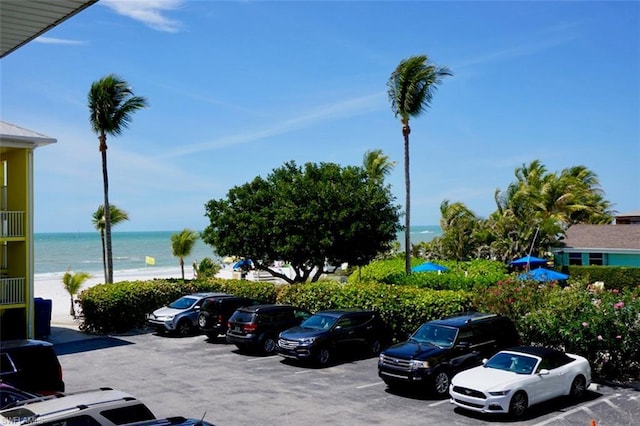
[(49, 286)]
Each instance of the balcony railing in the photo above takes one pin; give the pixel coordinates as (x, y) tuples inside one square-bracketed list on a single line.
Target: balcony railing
[(11, 223), (12, 291)]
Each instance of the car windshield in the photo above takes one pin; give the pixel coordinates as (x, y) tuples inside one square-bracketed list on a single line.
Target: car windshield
[(508, 361), (183, 303), (319, 322), (437, 335)]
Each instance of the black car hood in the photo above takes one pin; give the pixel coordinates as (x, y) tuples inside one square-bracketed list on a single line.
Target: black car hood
[(413, 350), (295, 333)]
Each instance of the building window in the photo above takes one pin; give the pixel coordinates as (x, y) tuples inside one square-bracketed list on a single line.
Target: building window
[(575, 259), (595, 259)]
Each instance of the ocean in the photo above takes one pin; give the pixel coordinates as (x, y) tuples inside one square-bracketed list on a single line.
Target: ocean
[(82, 251)]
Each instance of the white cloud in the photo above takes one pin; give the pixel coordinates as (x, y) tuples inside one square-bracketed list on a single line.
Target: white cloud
[(51, 40), (149, 12)]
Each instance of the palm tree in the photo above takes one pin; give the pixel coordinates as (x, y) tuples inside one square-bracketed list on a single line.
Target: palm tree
[(111, 106), (72, 283), (181, 245), (98, 221), (411, 88), (377, 165)]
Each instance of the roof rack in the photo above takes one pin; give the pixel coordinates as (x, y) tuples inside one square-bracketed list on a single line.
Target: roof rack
[(481, 317)]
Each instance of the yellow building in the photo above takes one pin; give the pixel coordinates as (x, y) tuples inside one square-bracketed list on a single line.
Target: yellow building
[(17, 146)]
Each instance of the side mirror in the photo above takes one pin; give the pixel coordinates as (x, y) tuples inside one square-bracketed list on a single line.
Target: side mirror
[(544, 372)]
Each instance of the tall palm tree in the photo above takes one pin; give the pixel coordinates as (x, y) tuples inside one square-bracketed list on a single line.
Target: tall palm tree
[(111, 106), (98, 220), (377, 165), (72, 283), (411, 88), (181, 245)]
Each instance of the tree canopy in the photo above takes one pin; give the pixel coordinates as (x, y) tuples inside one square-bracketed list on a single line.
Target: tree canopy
[(532, 214), (306, 216)]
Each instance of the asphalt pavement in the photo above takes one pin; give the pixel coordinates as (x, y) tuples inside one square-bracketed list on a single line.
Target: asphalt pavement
[(195, 377)]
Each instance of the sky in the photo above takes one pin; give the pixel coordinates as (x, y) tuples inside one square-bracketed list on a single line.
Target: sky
[(238, 88)]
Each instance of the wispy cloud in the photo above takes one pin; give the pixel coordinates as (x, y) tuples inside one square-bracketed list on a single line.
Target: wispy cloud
[(345, 108), (149, 12), (51, 40)]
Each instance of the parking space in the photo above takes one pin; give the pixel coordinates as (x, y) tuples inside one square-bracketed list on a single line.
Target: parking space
[(195, 378)]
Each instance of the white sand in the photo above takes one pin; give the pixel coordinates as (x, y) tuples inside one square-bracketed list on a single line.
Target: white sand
[(49, 286)]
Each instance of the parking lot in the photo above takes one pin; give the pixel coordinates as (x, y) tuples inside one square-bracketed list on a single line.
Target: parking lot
[(194, 378)]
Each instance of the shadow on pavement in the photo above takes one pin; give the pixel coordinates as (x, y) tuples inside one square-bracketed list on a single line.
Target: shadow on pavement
[(85, 345)]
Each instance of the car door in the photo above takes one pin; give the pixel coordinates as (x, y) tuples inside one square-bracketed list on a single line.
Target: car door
[(343, 334), (552, 384), (465, 351)]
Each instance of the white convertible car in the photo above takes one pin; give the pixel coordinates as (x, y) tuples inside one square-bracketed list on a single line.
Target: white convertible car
[(514, 379)]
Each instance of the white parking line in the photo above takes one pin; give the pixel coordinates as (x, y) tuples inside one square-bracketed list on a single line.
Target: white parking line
[(370, 385), (260, 358), (435, 404), (583, 407)]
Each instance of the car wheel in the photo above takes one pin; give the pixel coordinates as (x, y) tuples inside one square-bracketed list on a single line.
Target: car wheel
[(268, 345), (374, 347), (202, 320), (324, 355), (441, 382), (185, 328), (518, 405), (578, 388)]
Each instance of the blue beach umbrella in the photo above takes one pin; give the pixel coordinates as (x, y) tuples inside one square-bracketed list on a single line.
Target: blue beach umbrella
[(243, 263), (429, 267), (543, 275), (528, 260)]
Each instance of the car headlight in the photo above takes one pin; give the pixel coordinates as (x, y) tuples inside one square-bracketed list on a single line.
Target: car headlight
[(415, 364), (307, 341), (500, 393), (166, 318)]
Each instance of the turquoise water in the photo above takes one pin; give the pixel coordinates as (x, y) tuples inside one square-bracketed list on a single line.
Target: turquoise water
[(82, 251)]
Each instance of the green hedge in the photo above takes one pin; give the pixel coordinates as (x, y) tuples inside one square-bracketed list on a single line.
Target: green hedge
[(120, 307), (469, 276), (618, 277), (402, 308)]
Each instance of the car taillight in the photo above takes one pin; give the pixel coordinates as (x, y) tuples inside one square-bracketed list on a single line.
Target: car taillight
[(220, 319), (252, 326)]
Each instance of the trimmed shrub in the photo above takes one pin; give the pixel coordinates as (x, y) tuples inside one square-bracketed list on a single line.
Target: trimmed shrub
[(614, 277), (403, 308), (122, 306)]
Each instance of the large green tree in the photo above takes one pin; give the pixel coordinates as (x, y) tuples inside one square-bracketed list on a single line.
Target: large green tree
[(111, 107), (410, 89), (306, 216), (98, 220), (181, 245)]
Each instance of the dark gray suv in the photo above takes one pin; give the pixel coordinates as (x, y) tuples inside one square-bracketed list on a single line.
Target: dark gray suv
[(441, 348), (257, 327)]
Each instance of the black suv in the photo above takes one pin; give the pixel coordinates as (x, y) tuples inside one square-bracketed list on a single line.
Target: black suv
[(30, 365), (216, 311), (441, 348), (326, 333), (258, 326)]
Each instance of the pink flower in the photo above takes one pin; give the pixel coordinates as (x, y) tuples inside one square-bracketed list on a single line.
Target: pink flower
[(618, 337), (599, 337), (585, 324), (618, 305)]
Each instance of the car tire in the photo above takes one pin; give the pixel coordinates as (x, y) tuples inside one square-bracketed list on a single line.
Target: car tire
[(441, 382), (203, 320), (375, 347), (324, 356), (518, 404), (578, 388), (268, 346), (184, 328)]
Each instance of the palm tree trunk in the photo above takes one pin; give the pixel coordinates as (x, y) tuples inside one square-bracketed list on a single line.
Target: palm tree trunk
[(407, 184), (107, 210), (72, 310), (182, 267), (104, 255)]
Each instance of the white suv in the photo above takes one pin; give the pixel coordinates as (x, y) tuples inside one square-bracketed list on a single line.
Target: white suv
[(103, 406)]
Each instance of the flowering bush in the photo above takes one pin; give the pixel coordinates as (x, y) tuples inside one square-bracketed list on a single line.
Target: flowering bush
[(601, 325)]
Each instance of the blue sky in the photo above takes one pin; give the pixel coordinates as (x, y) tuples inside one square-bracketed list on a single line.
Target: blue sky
[(238, 88)]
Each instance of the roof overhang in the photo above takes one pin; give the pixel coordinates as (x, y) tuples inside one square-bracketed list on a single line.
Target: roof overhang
[(23, 20), (12, 136)]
